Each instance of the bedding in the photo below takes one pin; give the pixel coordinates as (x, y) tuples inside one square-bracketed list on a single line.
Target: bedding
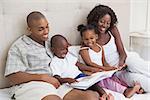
[(4, 95)]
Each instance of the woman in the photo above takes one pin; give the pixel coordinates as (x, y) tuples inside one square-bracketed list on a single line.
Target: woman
[(105, 20)]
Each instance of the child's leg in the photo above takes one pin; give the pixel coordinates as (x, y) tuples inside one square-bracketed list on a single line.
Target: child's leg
[(107, 97), (112, 85), (98, 89), (131, 91), (101, 91)]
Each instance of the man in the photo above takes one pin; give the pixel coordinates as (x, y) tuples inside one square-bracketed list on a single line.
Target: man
[(28, 70)]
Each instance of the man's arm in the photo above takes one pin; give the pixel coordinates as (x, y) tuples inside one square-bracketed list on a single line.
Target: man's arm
[(22, 77)]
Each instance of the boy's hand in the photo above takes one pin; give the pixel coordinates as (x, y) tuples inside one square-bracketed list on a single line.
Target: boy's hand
[(69, 80), (50, 79)]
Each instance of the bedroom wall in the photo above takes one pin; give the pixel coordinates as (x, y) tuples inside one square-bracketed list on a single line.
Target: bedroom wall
[(63, 16), (140, 28)]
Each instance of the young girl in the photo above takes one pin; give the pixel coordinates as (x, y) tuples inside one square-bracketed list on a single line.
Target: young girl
[(93, 55)]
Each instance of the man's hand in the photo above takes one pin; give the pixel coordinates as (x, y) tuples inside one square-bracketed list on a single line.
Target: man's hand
[(50, 79)]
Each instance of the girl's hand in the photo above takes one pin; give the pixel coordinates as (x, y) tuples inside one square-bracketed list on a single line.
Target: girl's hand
[(94, 70)]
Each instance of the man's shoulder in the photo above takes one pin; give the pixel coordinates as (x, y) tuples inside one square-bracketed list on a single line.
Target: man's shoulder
[(19, 43)]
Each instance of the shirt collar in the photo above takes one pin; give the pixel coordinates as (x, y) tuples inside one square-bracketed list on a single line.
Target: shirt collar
[(29, 41)]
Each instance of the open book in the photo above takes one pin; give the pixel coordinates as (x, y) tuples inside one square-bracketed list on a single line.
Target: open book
[(86, 82)]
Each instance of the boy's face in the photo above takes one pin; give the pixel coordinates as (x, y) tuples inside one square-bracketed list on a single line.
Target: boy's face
[(39, 30), (61, 49), (89, 38)]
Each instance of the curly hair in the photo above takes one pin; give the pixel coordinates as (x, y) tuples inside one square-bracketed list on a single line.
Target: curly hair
[(98, 12), (82, 28)]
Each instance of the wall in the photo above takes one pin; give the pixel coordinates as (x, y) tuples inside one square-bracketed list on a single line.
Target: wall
[(63, 16), (140, 28)]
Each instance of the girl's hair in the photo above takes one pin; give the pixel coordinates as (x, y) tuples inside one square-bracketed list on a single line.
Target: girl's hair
[(82, 28), (98, 12)]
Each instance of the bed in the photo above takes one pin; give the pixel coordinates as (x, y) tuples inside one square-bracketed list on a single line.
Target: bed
[(64, 16), (4, 95)]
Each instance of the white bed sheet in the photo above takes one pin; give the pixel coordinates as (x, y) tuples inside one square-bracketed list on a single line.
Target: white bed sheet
[(4, 95)]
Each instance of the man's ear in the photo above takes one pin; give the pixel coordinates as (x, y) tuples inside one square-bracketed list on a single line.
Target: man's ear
[(52, 49), (29, 30)]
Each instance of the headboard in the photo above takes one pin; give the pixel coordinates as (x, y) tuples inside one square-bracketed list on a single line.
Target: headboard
[(63, 17)]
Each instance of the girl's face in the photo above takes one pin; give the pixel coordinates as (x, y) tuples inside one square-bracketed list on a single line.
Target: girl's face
[(89, 38), (104, 23)]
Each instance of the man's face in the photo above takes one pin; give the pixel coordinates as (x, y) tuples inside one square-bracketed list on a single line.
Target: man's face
[(39, 30)]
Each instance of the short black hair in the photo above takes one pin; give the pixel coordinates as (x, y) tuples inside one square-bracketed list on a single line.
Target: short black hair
[(57, 39), (98, 12), (35, 15)]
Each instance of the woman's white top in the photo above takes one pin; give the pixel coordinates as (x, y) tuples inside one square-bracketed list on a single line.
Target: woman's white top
[(111, 53)]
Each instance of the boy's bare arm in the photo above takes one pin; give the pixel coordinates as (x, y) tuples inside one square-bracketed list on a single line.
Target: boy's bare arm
[(22, 77)]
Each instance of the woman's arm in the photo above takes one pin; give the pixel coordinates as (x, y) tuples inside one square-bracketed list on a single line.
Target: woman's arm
[(22, 77), (119, 45)]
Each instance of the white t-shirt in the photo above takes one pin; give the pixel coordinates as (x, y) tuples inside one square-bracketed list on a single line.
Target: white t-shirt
[(65, 68)]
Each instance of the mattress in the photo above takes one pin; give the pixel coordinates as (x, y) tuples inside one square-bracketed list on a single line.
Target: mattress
[(4, 95)]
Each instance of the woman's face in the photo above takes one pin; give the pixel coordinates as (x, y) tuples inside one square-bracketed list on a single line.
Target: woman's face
[(104, 23), (89, 38)]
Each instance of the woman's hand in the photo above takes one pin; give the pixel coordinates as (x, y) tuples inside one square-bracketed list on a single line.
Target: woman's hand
[(50, 79), (121, 63), (122, 67)]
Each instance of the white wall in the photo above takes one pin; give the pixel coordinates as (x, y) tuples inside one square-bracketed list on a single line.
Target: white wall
[(63, 16), (140, 28)]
